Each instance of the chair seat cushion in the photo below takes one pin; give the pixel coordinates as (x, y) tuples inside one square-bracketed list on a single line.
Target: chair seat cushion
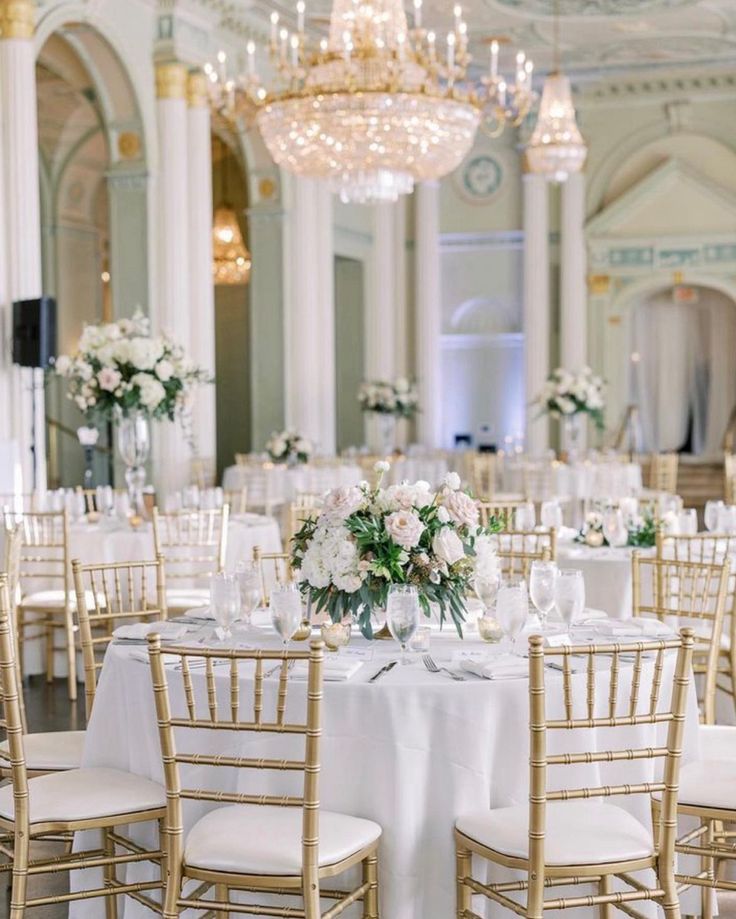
[(717, 741), (56, 599), (709, 783), (51, 751), (577, 833), (255, 839), (85, 794), (184, 598)]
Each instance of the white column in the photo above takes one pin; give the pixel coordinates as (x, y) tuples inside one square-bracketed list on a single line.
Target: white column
[(573, 293), (21, 216), (428, 315), (172, 460), (309, 321), (536, 305), (201, 287)]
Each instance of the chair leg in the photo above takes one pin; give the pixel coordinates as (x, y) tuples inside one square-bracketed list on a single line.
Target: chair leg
[(20, 625), (706, 893), (71, 654), (173, 887), (463, 866), (221, 894), (605, 910), (370, 877), (671, 900), (108, 873), (19, 893), (49, 651)]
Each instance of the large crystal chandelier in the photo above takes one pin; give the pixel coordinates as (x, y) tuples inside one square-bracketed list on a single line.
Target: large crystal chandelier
[(556, 148), (375, 106), (231, 262)]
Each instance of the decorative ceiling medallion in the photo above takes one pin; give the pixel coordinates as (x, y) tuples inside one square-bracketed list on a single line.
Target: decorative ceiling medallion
[(591, 7)]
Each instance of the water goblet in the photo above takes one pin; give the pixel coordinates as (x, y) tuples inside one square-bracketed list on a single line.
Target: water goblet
[(551, 515), (614, 528), (712, 514), (402, 615), (286, 610), (486, 588), (688, 520), (542, 588), (570, 596), (225, 602), (525, 517), (250, 589), (512, 610)]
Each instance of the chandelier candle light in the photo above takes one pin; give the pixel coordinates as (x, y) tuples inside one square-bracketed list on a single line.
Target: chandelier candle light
[(377, 105)]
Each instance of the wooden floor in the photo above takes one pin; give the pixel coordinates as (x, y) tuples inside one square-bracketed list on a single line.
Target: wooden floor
[(49, 710)]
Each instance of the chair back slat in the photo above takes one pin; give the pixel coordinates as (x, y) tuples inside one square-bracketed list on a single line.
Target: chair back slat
[(193, 542), (484, 475), (44, 554), (517, 549), (279, 565)]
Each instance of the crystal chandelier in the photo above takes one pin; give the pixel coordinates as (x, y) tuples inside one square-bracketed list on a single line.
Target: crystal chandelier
[(231, 262), (376, 106), (556, 148)]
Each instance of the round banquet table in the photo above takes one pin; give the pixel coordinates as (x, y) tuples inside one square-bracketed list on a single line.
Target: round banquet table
[(411, 751), (275, 484)]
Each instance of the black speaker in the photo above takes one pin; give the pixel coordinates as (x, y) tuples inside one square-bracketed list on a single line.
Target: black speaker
[(34, 332)]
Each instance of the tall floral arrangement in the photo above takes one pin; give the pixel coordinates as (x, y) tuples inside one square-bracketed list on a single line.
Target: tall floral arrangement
[(567, 394), (398, 398), (119, 367), (366, 539), (289, 447)]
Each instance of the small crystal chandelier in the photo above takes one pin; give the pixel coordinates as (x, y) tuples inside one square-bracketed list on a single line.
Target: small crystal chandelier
[(376, 106), (231, 262), (556, 148)]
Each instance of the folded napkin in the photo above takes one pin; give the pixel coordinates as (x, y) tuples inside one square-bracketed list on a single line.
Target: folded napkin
[(337, 669), (566, 534), (498, 668), (200, 612), (139, 631)]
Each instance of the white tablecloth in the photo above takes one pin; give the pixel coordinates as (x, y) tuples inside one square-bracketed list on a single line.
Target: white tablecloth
[(607, 575), (544, 480), (275, 485), (412, 752)]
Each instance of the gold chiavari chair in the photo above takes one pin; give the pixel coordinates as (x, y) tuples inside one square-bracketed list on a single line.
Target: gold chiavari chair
[(238, 500), (712, 549), (45, 558), (203, 472), (193, 544), (691, 594), (663, 472), (19, 502), (502, 511), (277, 844), (483, 475), (729, 478), (121, 593), (305, 507), (517, 550), (281, 569), (91, 496), (55, 805), (560, 839)]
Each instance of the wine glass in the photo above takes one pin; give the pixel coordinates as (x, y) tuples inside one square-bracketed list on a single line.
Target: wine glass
[(542, 588), (570, 595), (525, 519), (250, 589), (551, 515), (512, 609), (486, 588), (402, 615), (286, 610), (689, 522), (225, 602), (712, 514), (614, 528)]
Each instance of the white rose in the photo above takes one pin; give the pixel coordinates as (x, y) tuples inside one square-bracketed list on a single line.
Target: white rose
[(443, 514), (109, 379), (462, 508), (340, 503), (152, 392), (405, 528), (164, 370), (447, 546), (62, 365), (452, 481)]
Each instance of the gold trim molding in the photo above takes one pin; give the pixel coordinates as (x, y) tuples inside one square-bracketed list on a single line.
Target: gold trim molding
[(17, 18), (197, 96), (171, 81), (599, 284)]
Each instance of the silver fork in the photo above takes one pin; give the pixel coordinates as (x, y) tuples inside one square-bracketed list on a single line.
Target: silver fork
[(429, 663)]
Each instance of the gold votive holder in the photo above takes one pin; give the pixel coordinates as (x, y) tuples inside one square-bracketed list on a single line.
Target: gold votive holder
[(304, 632), (336, 635), (489, 629)]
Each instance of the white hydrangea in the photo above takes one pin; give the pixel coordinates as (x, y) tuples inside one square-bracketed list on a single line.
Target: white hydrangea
[(332, 558), (151, 390)]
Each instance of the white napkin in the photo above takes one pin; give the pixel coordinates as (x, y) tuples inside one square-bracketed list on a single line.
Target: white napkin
[(139, 631), (200, 612), (336, 669), (498, 668)]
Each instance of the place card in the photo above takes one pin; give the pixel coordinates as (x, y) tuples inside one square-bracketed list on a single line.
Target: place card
[(557, 641)]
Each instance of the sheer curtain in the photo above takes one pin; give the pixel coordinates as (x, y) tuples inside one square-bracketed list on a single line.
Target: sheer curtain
[(685, 379)]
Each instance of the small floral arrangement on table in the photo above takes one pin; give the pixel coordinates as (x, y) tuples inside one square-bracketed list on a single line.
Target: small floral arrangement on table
[(367, 539), (642, 531), (289, 447), (566, 394), (398, 398), (119, 367)]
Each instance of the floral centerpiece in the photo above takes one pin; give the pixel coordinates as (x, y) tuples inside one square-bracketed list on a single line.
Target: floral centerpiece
[(389, 401), (571, 396), (367, 539), (641, 531), (289, 447)]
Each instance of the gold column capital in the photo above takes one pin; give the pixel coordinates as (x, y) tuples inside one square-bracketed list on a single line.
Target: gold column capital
[(197, 95), (17, 18), (171, 80)]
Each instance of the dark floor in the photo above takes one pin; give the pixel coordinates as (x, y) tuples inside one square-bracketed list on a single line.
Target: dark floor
[(49, 709)]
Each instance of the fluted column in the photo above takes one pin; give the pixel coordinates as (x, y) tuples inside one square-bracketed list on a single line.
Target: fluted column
[(536, 305), (22, 221), (428, 318), (171, 309), (201, 287), (573, 293), (309, 326)]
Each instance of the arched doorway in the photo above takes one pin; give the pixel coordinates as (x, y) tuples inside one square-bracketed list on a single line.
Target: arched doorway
[(682, 376), (93, 211)]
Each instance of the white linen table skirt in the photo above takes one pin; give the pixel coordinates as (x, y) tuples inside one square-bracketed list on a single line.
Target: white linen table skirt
[(607, 574), (412, 752)]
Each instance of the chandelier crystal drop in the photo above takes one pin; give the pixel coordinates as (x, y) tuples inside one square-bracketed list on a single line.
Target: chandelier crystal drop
[(231, 261), (378, 104)]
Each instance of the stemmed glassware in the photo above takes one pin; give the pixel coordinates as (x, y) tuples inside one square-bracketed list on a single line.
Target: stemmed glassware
[(225, 602), (525, 518), (551, 515), (542, 588), (712, 515), (286, 610), (512, 610), (486, 589), (614, 527), (250, 589), (570, 596), (402, 615)]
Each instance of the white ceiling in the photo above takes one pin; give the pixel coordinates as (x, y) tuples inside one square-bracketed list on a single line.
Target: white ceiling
[(597, 36)]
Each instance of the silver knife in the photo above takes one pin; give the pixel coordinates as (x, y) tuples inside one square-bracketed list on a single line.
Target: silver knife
[(384, 670)]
